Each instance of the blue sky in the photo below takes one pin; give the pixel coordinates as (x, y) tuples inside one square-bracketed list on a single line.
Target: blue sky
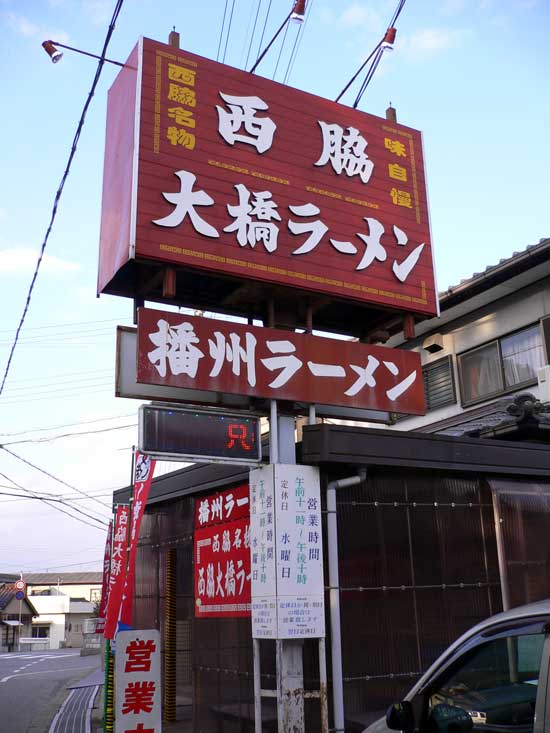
[(471, 74)]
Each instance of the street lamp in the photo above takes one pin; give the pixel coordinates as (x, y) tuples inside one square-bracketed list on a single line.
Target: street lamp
[(51, 48), (298, 11)]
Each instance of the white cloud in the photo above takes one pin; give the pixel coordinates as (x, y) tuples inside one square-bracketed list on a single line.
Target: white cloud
[(26, 28), (357, 15), (24, 260), (22, 25), (99, 11), (429, 42)]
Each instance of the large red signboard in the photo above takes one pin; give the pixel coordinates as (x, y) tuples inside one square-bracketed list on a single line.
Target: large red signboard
[(178, 350), (222, 554), (227, 172)]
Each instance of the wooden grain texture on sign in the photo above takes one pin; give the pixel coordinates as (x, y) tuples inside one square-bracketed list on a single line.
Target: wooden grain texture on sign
[(357, 239), (177, 350)]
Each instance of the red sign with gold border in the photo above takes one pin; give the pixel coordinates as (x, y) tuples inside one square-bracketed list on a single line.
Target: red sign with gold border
[(231, 173)]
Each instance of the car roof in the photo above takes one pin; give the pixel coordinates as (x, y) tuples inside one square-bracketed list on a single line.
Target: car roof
[(529, 611)]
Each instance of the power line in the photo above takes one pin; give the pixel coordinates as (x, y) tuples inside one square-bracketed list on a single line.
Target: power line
[(70, 435), (67, 425), (72, 153), (59, 509), (265, 26), (228, 31), (55, 378), (50, 475), (377, 53), (281, 51), (70, 324), (45, 568), (297, 43), (221, 31), (277, 32), (67, 395), (253, 32), (45, 385)]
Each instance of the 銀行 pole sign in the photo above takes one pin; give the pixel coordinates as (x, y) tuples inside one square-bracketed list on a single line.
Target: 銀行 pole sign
[(213, 168)]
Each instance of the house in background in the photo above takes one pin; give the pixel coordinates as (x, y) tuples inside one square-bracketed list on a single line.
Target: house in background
[(485, 360), (64, 601), (16, 616)]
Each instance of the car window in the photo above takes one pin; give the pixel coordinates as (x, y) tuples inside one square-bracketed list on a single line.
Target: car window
[(495, 683)]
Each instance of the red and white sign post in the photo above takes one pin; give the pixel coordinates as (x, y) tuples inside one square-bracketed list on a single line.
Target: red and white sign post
[(138, 682), (221, 187)]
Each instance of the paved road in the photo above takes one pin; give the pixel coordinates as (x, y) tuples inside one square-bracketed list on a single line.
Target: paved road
[(33, 686)]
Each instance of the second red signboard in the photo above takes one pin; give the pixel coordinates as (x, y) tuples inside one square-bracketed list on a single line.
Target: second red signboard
[(177, 350)]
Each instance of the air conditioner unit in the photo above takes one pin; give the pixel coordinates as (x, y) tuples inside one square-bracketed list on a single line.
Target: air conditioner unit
[(543, 376)]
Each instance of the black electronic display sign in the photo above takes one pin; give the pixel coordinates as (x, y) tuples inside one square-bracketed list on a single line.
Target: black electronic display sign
[(186, 434)]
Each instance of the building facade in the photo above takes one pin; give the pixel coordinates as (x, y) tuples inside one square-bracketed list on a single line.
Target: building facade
[(64, 601), (419, 562), (490, 344)]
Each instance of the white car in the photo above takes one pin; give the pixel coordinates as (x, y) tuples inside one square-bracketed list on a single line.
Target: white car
[(494, 678)]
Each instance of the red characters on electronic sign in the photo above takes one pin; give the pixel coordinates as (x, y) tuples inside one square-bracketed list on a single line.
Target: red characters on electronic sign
[(240, 434)]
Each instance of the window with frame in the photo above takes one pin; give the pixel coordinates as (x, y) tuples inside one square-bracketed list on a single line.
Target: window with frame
[(501, 365), (439, 385), (495, 683), (39, 631)]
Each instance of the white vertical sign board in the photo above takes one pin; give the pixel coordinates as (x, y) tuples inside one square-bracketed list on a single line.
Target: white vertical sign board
[(299, 553), (287, 553), (262, 553), (137, 682)]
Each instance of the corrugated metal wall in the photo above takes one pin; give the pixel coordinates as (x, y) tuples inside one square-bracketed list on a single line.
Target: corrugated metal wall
[(418, 566)]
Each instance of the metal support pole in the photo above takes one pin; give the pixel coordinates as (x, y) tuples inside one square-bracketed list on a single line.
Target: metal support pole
[(334, 595), (501, 554), (323, 687), (273, 433), (257, 687), (108, 702)]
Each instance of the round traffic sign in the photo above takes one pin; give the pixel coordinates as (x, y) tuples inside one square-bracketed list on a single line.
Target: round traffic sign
[(20, 595), (20, 585)]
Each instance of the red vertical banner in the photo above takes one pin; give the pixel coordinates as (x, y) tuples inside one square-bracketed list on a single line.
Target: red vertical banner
[(100, 625), (143, 475), (117, 571)]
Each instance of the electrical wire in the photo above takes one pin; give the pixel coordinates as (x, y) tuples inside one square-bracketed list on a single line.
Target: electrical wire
[(72, 153), (72, 324), (253, 32), (297, 43), (70, 435), (272, 41), (46, 568), (281, 51), (265, 26), (228, 31), (67, 425), (66, 396), (221, 31), (376, 55), (59, 509), (50, 475)]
